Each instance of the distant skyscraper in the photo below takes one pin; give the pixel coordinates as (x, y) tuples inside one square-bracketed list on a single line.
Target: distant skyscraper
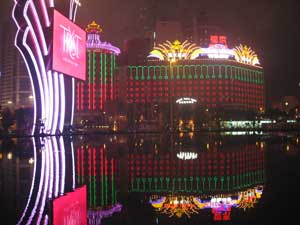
[(136, 50), (168, 30), (15, 84)]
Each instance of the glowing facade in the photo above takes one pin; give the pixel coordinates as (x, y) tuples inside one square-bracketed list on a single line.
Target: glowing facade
[(213, 171), (214, 83), (53, 95), (216, 76), (175, 51), (221, 205), (101, 71), (98, 172), (52, 90), (245, 54)]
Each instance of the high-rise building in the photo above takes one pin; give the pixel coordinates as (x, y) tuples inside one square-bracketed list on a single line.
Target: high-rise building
[(167, 30), (94, 94), (135, 51), (15, 84)]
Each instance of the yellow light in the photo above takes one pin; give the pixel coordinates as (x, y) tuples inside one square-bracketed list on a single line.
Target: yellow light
[(261, 145), (31, 161), (178, 206), (77, 2), (1, 156), (245, 54), (175, 51), (287, 148), (93, 26), (9, 156)]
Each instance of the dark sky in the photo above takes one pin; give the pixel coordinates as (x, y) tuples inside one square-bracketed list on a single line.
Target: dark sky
[(270, 27)]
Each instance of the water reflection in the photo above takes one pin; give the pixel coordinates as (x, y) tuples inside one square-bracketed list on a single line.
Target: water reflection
[(177, 175), (50, 160), (142, 178)]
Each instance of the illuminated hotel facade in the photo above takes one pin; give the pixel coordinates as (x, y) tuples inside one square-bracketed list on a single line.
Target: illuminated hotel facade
[(99, 87), (216, 77), (228, 173)]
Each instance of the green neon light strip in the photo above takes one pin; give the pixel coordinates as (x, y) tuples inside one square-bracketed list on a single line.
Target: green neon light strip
[(106, 191), (111, 72), (105, 74), (102, 191), (143, 73), (105, 68), (113, 200), (90, 191), (161, 184), (240, 72), (101, 75), (94, 67), (89, 66), (95, 195)]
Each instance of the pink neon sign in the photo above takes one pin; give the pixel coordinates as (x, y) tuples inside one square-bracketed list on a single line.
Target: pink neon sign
[(71, 209), (69, 47)]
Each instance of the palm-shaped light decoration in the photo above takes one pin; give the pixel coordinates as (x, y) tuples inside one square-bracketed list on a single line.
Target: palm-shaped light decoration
[(175, 51), (245, 54)]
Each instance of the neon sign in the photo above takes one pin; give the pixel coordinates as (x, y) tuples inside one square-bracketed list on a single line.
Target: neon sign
[(216, 39), (217, 51), (50, 95), (69, 47), (70, 42), (245, 54), (71, 209), (183, 101), (175, 51), (93, 39), (187, 155), (177, 205)]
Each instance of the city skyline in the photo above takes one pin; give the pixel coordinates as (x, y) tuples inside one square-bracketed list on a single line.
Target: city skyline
[(267, 28)]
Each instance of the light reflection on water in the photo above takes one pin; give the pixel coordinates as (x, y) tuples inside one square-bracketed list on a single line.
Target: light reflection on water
[(203, 177)]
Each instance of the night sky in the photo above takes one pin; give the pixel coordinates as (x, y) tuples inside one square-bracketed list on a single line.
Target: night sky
[(270, 27)]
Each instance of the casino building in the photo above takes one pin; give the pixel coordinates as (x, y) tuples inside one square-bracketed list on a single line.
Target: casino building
[(212, 78), (94, 95)]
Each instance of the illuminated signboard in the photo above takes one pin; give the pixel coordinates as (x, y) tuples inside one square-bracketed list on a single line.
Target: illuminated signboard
[(187, 155), (186, 101), (69, 47), (175, 51), (216, 39), (71, 208), (218, 51)]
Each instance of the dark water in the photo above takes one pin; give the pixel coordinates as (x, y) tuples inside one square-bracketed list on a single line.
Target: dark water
[(155, 179)]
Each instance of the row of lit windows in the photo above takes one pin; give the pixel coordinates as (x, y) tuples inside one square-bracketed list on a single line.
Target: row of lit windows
[(193, 83), (194, 72), (194, 90)]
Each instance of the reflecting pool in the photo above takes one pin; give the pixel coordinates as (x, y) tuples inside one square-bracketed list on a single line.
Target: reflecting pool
[(184, 178)]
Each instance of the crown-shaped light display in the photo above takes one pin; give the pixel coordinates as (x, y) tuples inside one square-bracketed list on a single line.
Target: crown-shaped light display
[(245, 54), (175, 51), (93, 27)]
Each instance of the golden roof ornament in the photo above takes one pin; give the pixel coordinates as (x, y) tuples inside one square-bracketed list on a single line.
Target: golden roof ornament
[(93, 27)]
